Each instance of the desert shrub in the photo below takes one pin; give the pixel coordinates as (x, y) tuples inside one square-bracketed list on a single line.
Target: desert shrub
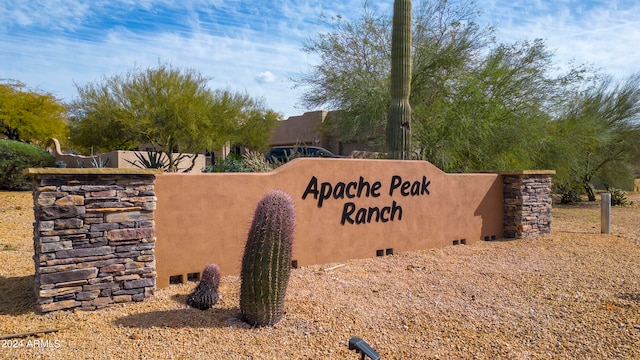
[(619, 197), (152, 160), (15, 156), (276, 163), (232, 163), (570, 193), (357, 154), (99, 162), (251, 162), (256, 162)]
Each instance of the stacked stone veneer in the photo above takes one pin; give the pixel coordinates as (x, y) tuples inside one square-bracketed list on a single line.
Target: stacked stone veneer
[(527, 203), (94, 237)]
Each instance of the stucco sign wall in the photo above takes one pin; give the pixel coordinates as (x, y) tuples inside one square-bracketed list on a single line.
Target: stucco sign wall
[(115, 234), (345, 209)]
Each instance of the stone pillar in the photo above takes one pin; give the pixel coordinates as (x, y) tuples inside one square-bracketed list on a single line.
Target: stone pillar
[(94, 237), (527, 203)]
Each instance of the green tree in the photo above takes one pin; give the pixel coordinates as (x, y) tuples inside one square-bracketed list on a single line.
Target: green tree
[(596, 140), (30, 115), (248, 121), (472, 99), (495, 115), (171, 109), (353, 74), (99, 117)]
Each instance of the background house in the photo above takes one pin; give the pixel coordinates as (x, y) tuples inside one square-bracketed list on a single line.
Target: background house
[(306, 129), (303, 130)]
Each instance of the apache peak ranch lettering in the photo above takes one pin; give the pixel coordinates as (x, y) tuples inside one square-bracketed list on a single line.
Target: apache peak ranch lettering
[(362, 188)]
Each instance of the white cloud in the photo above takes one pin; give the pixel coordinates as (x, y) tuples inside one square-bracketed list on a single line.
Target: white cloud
[(265, 77), (57, 14), (601, 33), (51, 44)]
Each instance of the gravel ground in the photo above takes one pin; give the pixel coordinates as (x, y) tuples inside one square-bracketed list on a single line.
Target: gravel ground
[(573, 294)]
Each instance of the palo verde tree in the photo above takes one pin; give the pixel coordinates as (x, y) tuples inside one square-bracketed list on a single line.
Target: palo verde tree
[(247, 121), (354, 71), (171, 109), (352, 76), (29, 115), (496, 114), (99, 117), (165, 107), (471, 99), (596, 140), (399, 118)]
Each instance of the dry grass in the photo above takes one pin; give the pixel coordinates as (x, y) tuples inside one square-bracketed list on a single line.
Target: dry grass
[(572, 294)]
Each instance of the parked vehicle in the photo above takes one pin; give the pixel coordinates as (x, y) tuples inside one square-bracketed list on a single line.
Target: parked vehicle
[(286, 153)]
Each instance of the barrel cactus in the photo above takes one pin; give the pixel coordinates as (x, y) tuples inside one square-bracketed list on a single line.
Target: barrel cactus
[(266, 260), (205, 295)]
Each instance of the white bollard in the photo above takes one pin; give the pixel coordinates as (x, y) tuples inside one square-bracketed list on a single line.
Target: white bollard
[(605, 213)]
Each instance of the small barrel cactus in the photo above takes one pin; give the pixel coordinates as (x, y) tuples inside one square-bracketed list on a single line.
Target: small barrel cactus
[(205, 295), (266, 260)]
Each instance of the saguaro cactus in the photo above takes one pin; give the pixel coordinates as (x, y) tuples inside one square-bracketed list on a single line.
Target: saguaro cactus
[(399, 116), (205, 295), (266, 260)]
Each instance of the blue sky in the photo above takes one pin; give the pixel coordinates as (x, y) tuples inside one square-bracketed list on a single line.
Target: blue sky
[(255, 46)]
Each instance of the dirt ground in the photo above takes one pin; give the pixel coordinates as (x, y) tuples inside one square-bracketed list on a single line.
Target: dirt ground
[(573, 294)]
